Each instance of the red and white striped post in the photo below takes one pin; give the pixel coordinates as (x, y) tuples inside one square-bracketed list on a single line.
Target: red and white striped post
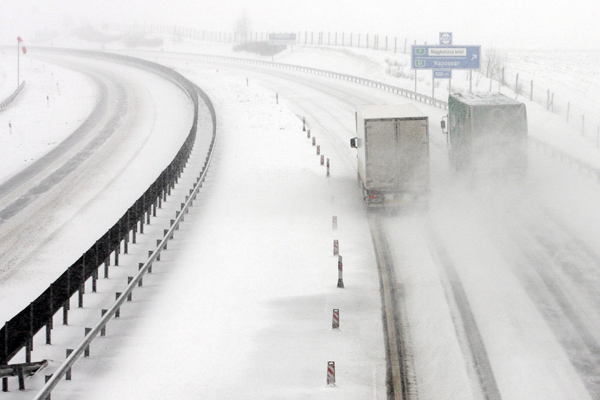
[(336, 247), (322, 160), (331, 372), (334, 222), (335, 322), (340, 273), (328, 167), (318, 149), (308, 133), (314, 141)]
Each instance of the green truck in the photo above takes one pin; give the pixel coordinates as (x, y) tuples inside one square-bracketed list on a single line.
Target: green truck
[(487, 134)]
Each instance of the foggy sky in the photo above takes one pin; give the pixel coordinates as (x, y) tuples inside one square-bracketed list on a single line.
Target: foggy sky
[(498, 23)]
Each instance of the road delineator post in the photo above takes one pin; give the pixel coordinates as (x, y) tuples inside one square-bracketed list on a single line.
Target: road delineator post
[(334, 222), (335, 322), (331, 373), (336, 247), (340, 283)]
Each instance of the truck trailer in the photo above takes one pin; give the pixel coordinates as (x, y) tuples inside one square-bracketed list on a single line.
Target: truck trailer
[(393, 154), (487, 135)]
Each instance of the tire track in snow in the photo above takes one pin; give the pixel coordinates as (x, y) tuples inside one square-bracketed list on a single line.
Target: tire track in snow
[(564, 293), (477, 352), (401, 380)]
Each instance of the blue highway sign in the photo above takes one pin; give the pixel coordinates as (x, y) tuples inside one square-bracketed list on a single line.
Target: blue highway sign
[(446, 57), (282, 38)]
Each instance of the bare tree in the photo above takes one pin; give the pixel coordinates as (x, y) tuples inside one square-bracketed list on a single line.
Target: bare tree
[(242, 25), (494, 62)]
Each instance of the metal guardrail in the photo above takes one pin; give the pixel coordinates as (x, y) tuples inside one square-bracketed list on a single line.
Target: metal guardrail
[(336, 75), (18, 332), (13, 96), (80, 349)]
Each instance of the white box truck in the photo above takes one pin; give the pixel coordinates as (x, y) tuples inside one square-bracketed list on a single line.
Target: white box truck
[(393, 154)]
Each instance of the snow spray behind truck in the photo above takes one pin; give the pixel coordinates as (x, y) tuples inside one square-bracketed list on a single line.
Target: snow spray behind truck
[(393, 154), (487, 135)]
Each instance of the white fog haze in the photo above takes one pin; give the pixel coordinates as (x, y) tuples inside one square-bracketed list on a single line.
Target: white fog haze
[(527, 24), (197, 204)]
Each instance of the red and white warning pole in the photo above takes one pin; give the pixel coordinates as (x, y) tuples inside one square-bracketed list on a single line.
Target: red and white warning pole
[(318, 149), (340, 273), (334, 222), (314, 141), (331, 372), (336, 247), (335, 322), (308, 133)]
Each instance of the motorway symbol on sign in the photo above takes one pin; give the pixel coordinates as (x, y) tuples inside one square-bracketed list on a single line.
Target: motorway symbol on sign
[(445, 38), (446, 57)]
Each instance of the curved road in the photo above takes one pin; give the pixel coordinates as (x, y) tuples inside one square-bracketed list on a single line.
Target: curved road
[(55, 209)]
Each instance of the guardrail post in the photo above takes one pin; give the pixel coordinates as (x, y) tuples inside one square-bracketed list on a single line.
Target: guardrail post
[(103, 330), (106, 264), (66, 313), (86, 352), (118, 312), (94, 280), (49, 331), (28, 346), (80, 295), (68, 374), (150, 266), (130, 295), (140, 265), (46, 379), (21, 376)]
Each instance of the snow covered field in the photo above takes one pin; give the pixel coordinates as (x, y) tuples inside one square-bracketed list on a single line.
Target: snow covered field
[(263, 277)]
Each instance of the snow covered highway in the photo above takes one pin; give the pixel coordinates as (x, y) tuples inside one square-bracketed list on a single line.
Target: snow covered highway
[(495, 286)]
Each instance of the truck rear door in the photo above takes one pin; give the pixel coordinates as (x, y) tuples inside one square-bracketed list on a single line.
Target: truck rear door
[(412, 156), (381, 148)]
